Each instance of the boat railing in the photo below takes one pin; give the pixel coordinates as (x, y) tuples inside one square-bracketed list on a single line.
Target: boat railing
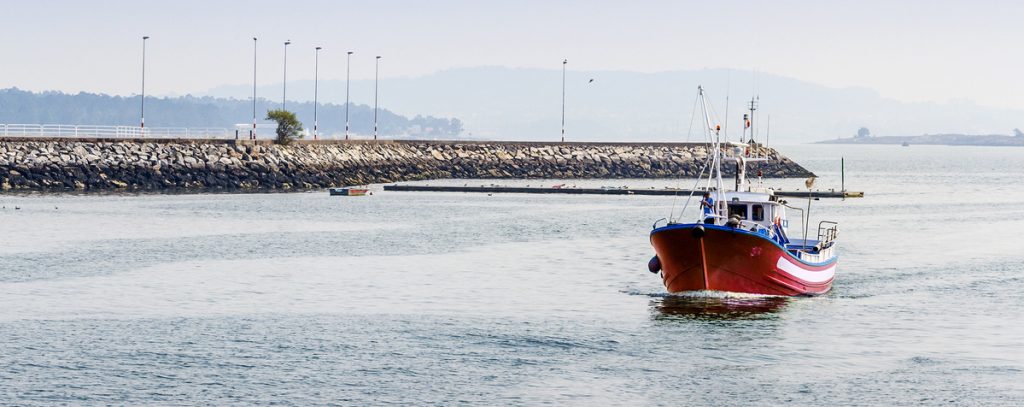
[(655, 226), (744, 224), (827, 231)]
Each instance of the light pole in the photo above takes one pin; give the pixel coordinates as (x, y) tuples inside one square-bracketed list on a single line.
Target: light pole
[(316, 87), (376, 78), (564, 62), (348, 71), (142, 123), (252, 133), (284, 83)]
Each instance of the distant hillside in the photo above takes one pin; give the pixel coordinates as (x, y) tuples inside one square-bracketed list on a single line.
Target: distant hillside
[(17, 106), (525, 104), (937, 139)]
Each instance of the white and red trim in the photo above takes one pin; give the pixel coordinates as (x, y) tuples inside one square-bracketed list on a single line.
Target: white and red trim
[(809, 274)]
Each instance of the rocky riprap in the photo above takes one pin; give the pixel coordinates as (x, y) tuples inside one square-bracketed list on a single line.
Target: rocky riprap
[(98, 165)]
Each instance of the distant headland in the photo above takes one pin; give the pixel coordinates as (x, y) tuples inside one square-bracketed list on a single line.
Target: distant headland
[(1001, 140)]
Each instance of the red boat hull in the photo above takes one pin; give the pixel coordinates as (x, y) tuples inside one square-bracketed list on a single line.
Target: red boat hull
[(708, 257)]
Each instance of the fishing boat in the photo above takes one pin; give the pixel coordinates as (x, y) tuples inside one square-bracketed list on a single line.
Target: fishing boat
[(349, 191), (741, 241)]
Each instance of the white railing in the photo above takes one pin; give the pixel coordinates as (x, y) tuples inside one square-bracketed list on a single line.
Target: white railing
[(127, 132)]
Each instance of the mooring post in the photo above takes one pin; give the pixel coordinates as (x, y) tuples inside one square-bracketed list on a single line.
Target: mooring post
[(842, 173)]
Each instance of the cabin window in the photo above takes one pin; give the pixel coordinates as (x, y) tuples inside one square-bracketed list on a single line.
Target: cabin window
[(758, 213), (738, 210)]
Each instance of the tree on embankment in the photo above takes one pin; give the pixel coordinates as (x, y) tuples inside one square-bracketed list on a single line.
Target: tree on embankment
[(289, 128)]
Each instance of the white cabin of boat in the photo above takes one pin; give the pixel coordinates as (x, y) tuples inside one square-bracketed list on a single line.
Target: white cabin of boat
[(757, 209)]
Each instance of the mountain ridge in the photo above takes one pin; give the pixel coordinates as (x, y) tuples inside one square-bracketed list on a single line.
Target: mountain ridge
[(525, 103)]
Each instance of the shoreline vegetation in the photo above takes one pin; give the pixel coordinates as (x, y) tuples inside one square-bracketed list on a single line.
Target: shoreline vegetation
[(183, 166), (997, 140), (20, 106)]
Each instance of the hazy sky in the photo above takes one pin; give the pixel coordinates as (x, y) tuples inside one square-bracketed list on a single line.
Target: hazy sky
[(907, 50)]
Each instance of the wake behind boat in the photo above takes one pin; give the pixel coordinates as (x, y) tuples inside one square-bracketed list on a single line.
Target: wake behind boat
[(741, 242)]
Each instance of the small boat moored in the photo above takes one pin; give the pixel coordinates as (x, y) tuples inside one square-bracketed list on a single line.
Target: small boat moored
[(349, 191)]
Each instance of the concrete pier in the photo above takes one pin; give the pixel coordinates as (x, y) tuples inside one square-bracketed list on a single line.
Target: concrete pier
[(604, 191)]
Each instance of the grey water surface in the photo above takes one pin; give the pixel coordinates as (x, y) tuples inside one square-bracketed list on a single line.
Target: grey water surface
[(435, 298)]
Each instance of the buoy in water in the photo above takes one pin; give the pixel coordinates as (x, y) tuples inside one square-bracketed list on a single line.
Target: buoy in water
[(654, 265)]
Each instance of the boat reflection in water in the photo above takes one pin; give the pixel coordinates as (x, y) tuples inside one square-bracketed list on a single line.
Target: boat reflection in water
[(712, 307)]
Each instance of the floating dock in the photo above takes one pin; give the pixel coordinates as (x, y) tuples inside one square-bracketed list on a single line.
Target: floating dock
[(602, 191)]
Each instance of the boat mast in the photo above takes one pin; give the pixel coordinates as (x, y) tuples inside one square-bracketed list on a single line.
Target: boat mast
[(717, 147), (741, 158), (753, 107)]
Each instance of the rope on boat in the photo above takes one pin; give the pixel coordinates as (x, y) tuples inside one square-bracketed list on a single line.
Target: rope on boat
[(689, 197), (692, 190)]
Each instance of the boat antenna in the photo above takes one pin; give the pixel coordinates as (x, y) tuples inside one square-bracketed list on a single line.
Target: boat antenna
[(726, 126), (693, 114), (755, 99), (728, 91), (809, 183), (753, 107)]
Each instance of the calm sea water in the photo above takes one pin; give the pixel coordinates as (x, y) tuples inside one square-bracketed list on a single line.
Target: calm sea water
[(431, 298)]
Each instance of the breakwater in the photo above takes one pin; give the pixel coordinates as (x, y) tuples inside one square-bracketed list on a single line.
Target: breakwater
[(150, 165)]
